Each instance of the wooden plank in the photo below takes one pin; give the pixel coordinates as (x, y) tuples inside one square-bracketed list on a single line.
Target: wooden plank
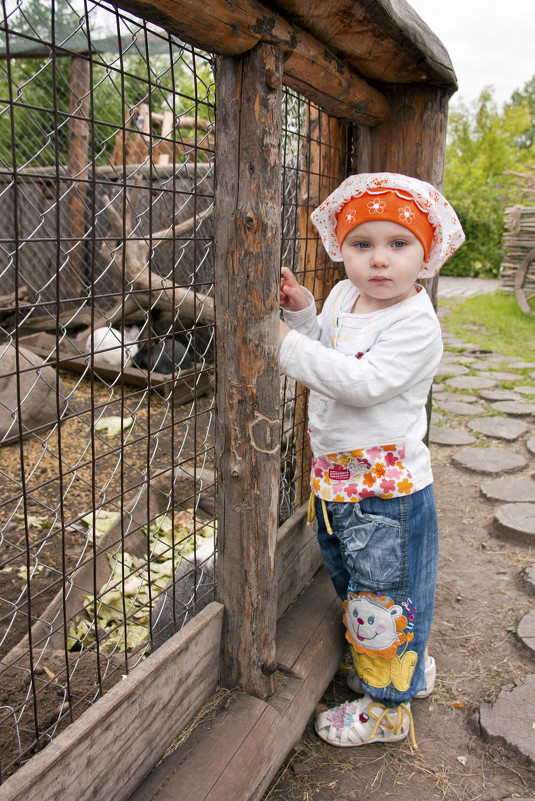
[(297, 558), (237, 753), (247, 270), (297, 648), (109, 750), (187, 384), (234, 28)]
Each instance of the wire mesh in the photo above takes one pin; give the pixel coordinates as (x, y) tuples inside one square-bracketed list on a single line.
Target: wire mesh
[(314, 157), (106, 355), (108, 539)]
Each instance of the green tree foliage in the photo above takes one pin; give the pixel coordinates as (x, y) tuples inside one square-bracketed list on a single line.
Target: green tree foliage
[(522, 97), (35, 92), (484, 142)]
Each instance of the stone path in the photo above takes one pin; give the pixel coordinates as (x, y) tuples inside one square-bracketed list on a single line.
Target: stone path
[(474, 411)]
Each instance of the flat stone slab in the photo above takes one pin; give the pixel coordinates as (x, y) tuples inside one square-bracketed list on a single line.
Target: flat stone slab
[(461, 407), (440, 435), (492, 461), (477, 364), (499, 427), (510, 718), (470, 382), (529, 575), (524, 365), (516, 408), (516, 520), (455, 396), (451, 368), (530, 445), (526, 630), (500, 376), (525, 390), (453, 342), (499, 395), (511, 490)]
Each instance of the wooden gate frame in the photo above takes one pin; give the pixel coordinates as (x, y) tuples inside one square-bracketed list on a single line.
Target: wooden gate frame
[(397, 124)]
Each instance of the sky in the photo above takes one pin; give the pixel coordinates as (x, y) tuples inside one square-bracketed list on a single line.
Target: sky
[(489, 42)]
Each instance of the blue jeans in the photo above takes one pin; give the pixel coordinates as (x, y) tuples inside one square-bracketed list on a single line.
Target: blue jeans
[(382, 558)]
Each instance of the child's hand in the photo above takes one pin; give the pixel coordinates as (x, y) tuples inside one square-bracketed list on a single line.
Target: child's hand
[(292, 295)]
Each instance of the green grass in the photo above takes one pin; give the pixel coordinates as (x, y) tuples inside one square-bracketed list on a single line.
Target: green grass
[(493, 322)]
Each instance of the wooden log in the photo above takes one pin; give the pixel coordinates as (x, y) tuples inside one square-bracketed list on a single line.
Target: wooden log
[(234, 28), (323, 168), (130, 726), (383, 40), (247, 270), (411, 141)]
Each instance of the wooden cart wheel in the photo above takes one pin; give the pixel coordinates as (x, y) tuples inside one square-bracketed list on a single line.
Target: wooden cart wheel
[(522, 299)]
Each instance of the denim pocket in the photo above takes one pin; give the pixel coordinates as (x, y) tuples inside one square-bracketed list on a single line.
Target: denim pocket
[(372, 549)]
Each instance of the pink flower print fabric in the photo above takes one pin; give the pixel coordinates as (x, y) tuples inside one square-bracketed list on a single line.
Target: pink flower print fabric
[(349, 476)]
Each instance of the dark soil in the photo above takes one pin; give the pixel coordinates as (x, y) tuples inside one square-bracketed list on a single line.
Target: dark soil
[(55, 700)]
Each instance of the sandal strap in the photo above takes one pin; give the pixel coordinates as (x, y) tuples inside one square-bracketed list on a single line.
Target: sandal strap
[(384, 720)]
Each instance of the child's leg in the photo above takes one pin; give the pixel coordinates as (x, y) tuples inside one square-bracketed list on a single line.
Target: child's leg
[(389, 547), (332, 556)]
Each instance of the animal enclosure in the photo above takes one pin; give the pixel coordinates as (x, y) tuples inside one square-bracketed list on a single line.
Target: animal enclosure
[(108, 470), (158, 162)]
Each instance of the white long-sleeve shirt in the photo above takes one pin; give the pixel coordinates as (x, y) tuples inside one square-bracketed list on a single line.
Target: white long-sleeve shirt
[(369, 376)]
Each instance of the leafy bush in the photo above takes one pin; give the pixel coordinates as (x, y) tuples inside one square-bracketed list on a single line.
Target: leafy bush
[(484, 142)]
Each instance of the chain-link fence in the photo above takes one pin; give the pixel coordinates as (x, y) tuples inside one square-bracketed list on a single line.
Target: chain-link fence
[(108, 538), (106, 358)]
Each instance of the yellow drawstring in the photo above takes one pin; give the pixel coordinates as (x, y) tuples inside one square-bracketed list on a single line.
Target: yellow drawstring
[(326, 517), (311, 513)]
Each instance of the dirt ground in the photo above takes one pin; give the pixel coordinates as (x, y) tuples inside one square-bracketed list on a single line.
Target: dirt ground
[(481, 596), (58, 704)]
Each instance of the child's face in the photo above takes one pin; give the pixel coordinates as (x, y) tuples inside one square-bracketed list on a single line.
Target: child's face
[(382, 259)]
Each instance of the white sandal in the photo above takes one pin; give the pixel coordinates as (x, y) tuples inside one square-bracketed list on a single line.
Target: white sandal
[(353, 680), (365, 721)]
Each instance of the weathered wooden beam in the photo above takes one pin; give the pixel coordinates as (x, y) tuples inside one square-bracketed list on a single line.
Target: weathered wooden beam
[(237, 753), (324, 166), (383, 40), (298, 557), (247, 270), (233, 28), (412, 141), (131, 726)]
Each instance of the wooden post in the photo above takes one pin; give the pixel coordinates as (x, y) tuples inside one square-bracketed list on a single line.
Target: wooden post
[(412, 140), (77, 166), (247, 226), (324, 168)]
